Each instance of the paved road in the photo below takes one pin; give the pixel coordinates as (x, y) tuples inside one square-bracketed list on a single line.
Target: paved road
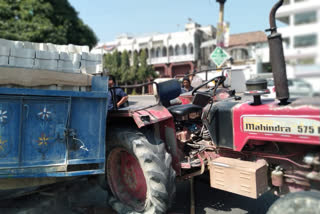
[(85, 197), (213, 201)]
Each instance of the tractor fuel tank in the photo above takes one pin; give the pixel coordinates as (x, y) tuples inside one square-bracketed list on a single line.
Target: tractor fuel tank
[(244, 178), (219, 121)]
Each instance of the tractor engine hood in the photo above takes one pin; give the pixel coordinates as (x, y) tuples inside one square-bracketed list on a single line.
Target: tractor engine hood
[(233, 124)]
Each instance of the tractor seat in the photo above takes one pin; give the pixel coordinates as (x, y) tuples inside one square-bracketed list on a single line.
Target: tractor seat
[(181, 110)]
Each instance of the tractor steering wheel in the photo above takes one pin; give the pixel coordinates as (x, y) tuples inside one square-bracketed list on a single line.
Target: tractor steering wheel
[(219, 80)]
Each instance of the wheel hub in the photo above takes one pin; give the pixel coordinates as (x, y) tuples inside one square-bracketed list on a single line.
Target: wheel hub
[(126, 178)]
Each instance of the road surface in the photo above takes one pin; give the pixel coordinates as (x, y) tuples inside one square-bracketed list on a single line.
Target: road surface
[(86, 197)]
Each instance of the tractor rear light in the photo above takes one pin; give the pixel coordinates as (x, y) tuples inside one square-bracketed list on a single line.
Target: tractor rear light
[(274, 89)]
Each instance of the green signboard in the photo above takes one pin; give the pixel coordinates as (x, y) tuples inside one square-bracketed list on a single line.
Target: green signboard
[(219, 56)]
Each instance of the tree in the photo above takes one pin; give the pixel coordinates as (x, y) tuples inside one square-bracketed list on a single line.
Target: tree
[(135, 69), (125, 68), (52, 21), (112, 62), (145, 71), (135, 66), (118, 65), (107, 61)]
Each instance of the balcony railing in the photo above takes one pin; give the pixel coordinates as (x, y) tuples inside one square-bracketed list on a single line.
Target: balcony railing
[(171, 59)]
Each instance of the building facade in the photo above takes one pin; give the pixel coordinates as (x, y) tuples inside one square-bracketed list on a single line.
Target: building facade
[(249, 58), (301, 34), (300, 29), (170, 54)]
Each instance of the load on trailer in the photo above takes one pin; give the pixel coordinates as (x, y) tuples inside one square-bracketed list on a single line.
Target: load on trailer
[(52, 114)]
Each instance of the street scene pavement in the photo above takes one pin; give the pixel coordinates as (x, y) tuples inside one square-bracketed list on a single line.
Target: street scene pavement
[(85, 196)]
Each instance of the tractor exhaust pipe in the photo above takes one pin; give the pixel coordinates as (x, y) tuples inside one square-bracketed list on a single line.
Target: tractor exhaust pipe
[(277, 58)]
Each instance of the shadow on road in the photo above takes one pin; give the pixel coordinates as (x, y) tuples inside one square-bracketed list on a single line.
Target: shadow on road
[(85, 197), (213, 201)]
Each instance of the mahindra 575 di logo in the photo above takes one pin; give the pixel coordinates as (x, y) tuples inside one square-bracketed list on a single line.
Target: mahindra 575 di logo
[(281, 125)]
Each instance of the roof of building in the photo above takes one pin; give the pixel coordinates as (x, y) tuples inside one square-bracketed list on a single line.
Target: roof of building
[(247, 38)]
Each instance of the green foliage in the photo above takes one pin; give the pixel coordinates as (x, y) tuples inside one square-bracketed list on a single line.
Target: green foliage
[(115, 65), (118, 65), (145, 71), (134, 70), (125, 68), (135, 64), (52, 21), (112, 62), (107, 61)]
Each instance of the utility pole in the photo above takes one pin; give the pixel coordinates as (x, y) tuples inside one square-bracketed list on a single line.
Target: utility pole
[(221, 11), (220, 27), (219, 54)]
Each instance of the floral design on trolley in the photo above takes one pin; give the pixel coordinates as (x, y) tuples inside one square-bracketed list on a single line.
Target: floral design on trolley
[(3, 116), (43, 140), (45, 114), (2, 144)]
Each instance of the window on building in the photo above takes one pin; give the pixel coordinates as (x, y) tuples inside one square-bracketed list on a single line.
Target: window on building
[(184, 49), (306, 61), (305, 41), (158, 52), (177, 50), (305, 18), (190, 49), (164, 51), (239, 54), (285, 20), (286, 41), (171, 51), (152, 53)]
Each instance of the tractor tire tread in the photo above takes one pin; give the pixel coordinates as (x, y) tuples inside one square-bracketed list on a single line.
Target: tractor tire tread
[(155, 163)]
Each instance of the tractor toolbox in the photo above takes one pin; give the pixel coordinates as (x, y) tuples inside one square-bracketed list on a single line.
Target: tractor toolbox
[(241, 177)]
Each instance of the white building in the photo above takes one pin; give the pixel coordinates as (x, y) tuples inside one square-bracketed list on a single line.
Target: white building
[(301, 34), (170, 54), (250, 57)]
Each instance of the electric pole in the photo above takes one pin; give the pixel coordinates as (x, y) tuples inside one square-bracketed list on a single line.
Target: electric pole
[(220, 27), (221, 11)]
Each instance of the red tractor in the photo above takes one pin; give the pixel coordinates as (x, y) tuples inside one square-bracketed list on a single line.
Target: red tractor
[(248, 147)]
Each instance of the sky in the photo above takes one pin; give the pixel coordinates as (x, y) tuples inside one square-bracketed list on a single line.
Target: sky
[(110, 18)]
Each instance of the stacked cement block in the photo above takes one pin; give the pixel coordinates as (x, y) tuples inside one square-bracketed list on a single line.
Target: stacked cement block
[(47, 56), (69, 62), (46, 60), (91, 63), (4, 55), (21, 57)]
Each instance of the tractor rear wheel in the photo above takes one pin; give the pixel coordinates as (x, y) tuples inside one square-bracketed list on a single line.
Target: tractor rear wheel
[(139, 172), (297, 203)]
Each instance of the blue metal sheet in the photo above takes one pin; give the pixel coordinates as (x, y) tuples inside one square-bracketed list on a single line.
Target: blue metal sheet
[(88, 119), (44, 123), (43, 131), (51, 93), (10, 114), (99, 90), (55, 174)]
